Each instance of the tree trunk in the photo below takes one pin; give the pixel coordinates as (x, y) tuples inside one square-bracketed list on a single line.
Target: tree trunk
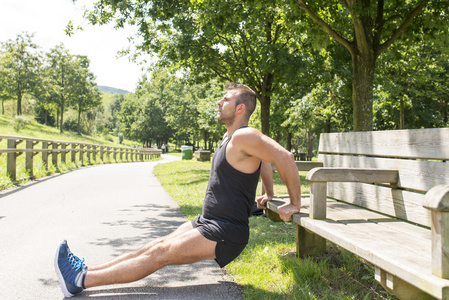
[(79, 119), (309, 143), (401, 112), (362, 91), (57, 118), (61, 129), (265, 102), (19, 103), (288, 146)]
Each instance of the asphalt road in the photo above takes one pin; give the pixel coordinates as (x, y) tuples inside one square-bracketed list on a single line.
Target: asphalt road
[(102, 211)]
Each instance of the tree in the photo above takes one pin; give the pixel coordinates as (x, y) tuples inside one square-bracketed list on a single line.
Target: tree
[(84, 93), (21, 62), (60, 69), (413, 89), (366, 29), (249, 41)]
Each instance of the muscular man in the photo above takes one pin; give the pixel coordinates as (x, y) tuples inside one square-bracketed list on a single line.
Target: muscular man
[(221, 232)]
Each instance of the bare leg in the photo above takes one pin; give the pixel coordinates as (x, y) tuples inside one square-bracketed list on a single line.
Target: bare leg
[(179, 231), (182, 247)]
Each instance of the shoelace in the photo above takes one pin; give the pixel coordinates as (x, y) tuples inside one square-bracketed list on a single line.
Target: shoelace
[(75, 262)]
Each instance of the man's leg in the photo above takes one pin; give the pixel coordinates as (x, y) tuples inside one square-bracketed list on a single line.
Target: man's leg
[(184, 246), (179, 231)]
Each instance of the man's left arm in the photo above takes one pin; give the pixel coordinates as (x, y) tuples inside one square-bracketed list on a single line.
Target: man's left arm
[(259, 145)]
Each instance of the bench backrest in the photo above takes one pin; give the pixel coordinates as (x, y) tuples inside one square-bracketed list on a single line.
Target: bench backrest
[(420, 155)]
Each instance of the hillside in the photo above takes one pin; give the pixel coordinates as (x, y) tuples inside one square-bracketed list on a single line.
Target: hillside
[(27, 127), (111, 90)]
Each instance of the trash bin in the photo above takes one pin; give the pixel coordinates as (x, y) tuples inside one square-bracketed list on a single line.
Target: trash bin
[(187, 152)]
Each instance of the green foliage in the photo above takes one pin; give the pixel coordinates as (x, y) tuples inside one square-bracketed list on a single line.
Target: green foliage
[(19, 68), (19, 122), (70, 83)]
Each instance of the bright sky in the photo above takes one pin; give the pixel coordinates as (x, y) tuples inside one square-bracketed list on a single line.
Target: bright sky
[(47, 19)]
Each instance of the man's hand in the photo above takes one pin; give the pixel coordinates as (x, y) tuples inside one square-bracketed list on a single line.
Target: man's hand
[(262, 201), (286, 211)]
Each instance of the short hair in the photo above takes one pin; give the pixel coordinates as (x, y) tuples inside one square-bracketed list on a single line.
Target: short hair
[(246, 96)]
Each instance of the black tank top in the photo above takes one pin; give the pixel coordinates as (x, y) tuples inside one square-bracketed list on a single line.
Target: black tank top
[(230, 195)]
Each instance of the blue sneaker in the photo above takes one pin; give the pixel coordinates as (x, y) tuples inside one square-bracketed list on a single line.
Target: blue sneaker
[(70, 270)]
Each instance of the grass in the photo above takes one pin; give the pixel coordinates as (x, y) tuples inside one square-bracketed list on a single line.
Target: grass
[(32, 129), (268, 268)]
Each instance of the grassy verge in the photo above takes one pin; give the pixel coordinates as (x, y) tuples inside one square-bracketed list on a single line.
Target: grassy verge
[(32, 129), (268, 267)]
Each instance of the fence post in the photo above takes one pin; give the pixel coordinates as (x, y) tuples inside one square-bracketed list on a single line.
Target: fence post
[(88, 154), (63, 152), (45, 154), (115, 153), (54, 154), (73, 152), (101, 153), (29, 165), (81, 153), (11, 159), (94, 153)]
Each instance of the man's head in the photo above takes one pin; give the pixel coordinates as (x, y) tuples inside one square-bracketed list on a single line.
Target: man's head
[(245, 95)]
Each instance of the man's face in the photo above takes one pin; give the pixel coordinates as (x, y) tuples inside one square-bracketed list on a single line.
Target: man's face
[(226, 108)]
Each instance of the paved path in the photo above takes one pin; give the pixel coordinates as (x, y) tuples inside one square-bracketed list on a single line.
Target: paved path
[(102, 211)]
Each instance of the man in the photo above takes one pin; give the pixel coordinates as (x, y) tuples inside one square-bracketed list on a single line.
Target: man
[(221, 232)]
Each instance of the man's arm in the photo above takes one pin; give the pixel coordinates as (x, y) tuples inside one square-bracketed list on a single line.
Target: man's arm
[(256, 144), (266, 174)]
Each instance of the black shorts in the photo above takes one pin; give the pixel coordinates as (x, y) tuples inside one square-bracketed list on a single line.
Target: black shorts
[(225, 251)]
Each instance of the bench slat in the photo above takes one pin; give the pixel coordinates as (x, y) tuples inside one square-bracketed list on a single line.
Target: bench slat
[(421, 143), (413, 174), (393, 202), (336, 174)]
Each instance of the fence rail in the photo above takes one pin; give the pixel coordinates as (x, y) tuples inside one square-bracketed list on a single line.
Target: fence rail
[(15, 148)]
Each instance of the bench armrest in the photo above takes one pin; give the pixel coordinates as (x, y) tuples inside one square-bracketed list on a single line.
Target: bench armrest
[(353, 175), (304, 165), (319, 177), (437, 200)]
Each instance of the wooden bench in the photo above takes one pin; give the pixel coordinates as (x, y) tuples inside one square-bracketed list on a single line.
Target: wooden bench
[(202, 155), (384, 196)]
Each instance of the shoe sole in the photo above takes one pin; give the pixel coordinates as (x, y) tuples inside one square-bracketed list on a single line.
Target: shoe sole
[(60, 278)]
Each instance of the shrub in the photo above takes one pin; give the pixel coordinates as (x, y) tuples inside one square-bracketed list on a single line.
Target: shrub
[(19, 122)]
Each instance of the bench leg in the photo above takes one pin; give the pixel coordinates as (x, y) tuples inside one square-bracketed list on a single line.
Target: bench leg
[(400, 288), (308, 243)]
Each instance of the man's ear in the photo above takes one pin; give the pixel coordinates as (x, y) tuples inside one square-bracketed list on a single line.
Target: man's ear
[(241, 107)]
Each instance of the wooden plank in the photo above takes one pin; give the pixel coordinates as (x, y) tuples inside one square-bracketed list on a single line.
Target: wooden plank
[(350, 214), (393, 202), (430, 143), (305, 165), (416, 175), (354, 212), (338, 174)]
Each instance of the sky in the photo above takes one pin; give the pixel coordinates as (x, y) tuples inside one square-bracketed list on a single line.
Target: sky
[(47, 19)]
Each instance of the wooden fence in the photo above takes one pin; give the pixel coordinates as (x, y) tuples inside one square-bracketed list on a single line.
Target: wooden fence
[(17, 146)]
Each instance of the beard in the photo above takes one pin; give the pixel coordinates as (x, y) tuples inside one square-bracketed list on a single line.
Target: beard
[(226, 118)]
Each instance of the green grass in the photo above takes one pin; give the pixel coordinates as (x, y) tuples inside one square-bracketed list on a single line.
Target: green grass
[(32, 129), (268, 268)]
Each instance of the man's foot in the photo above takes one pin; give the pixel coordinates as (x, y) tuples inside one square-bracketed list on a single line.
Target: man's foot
[(70, 270)]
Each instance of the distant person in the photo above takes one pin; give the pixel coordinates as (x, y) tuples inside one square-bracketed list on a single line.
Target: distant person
[(222, 231), (163, 148)]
